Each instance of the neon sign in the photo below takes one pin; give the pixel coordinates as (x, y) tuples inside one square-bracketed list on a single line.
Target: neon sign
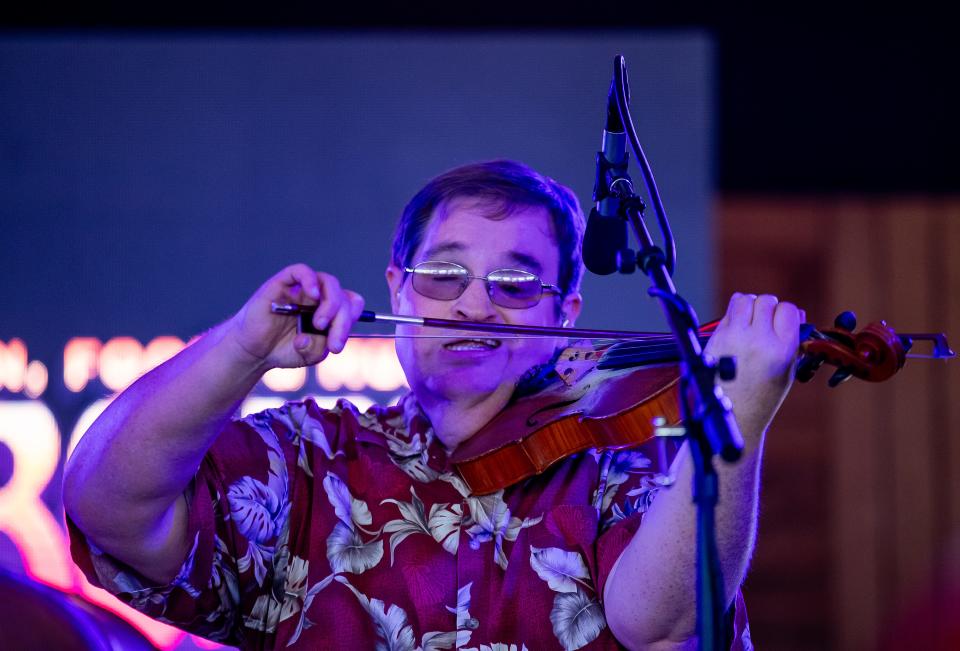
[(29, 430)]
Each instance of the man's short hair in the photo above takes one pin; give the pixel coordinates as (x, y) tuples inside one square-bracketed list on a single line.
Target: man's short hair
[(507, 185)]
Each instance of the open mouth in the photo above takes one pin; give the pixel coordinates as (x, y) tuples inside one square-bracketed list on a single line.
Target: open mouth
[(472, 344)]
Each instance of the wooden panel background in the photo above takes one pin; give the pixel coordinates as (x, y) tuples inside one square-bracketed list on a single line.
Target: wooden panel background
[(861, 503)]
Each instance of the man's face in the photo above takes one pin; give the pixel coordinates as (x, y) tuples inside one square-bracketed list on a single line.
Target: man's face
[(471, 367)]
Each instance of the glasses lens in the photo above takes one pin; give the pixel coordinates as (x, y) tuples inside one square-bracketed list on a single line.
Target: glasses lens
[(443, 281), (514, 288)]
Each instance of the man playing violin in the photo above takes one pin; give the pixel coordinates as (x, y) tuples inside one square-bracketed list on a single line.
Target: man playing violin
[(331, 529)]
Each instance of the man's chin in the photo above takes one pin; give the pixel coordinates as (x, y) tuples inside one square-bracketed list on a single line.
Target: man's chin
[(463, 386)]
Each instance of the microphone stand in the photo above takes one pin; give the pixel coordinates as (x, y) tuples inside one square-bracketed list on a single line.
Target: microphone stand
[(710, 427)]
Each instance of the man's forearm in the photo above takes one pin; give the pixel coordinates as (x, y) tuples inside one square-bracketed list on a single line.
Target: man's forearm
[(651, 593), (140, 455)]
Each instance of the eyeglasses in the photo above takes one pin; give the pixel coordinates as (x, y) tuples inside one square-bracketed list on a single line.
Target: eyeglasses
[(446, 281)]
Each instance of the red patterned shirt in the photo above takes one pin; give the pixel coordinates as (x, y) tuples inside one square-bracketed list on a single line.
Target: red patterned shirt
[(334, 529)]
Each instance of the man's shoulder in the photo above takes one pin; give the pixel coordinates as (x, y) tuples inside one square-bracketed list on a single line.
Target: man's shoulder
[(331, 427)]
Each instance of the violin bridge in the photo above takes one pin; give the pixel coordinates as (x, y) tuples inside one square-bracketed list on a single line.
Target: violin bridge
[(576, 361)]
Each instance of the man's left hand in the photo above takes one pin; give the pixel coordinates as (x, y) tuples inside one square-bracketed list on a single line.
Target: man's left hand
[(763, 335)]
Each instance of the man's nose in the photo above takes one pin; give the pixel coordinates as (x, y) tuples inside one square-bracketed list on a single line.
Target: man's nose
[(474, 304)]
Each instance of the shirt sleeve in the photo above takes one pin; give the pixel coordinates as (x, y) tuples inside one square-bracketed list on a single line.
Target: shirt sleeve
[(630, 481), (239, 511)]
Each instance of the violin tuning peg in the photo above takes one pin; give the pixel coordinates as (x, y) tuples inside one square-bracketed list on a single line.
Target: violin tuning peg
[(727, 368), (839, 376), (807, 368), (846, 321)]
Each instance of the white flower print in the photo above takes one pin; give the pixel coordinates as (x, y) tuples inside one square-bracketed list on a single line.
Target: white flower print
[(622, 465), (648, 489), (577, 617), (304, 428), (351, 511), (347, 552), (457, 482), (444, 525), (490, 519), (437, 640)]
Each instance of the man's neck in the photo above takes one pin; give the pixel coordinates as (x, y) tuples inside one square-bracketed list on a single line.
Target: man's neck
[(456, 420)]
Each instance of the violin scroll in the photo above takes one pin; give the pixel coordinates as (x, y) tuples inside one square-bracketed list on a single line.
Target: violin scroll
[(874, 354)]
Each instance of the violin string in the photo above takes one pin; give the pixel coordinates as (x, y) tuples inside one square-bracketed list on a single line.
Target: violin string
[(639, 338)]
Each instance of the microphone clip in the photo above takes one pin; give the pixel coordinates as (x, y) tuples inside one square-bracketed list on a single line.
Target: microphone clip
[(609, 175)]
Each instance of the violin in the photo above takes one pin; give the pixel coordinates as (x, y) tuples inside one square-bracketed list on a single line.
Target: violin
[(616, 389)]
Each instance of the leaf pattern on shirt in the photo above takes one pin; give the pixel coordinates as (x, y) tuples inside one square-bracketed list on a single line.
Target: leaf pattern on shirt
[(393, 631), (577, 616), (560, 569), (287, 593), (347, 551), (259, 514), (413, 519), (444, 525), (290, 574), (225, 583), (465, 623), (649, 488), (577, 619), (490, 519), (260, 510), (351, 511), (301, 427), (623, 464), (457, 482), (410, 455), (308, 597), (498, 646)]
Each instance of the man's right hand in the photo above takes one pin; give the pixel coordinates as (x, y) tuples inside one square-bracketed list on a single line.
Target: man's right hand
[(272, 340), (124, 484)]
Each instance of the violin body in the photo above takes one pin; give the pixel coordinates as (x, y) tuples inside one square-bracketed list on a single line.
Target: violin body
[(598, 408)]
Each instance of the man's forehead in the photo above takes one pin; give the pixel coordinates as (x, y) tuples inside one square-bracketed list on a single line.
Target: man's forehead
[(492, 208), (527, 235)]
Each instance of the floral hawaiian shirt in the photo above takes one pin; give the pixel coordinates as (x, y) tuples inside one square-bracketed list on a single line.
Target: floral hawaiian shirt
[(335, 529)]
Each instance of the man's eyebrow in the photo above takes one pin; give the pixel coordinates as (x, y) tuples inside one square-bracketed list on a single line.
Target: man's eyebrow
[(443, 247), (527, 261), (517, 257)]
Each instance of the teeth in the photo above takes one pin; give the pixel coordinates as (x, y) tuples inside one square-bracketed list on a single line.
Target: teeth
[(472, 344)]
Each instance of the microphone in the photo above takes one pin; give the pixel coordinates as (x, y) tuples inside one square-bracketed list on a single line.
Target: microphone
[(605, 240)]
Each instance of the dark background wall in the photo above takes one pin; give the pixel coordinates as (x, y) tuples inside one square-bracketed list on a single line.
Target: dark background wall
[(150, 182), (817, 96)]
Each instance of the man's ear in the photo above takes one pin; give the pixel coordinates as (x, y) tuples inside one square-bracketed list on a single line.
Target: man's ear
[(570, 308), (394, 277)]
